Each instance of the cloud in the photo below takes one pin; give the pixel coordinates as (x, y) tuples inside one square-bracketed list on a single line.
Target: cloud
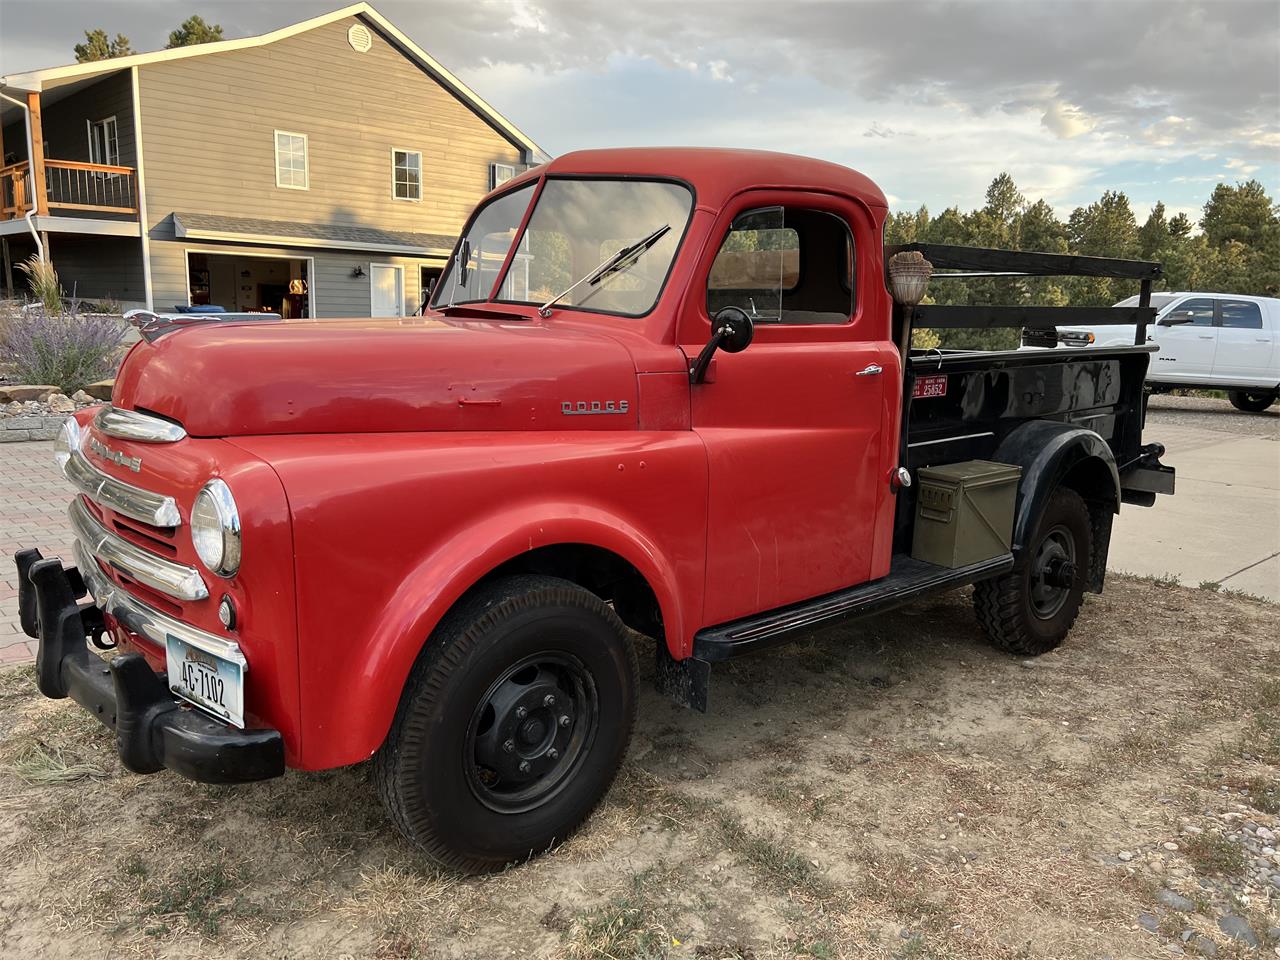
[(1066, 121)]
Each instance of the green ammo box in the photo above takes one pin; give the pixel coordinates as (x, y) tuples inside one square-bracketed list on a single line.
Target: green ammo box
[(964, 512)]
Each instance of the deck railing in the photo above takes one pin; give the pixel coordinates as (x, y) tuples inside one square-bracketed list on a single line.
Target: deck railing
[(70, 185)]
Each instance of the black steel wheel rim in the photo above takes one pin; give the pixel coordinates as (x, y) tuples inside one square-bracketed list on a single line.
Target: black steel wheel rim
[(531, 731), (1052, 572)]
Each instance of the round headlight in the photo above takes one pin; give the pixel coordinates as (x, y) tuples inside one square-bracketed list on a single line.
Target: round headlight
[(67, 440), (215, 529)]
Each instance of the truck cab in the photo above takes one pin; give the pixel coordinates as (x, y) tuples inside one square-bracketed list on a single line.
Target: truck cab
[(660, 394)]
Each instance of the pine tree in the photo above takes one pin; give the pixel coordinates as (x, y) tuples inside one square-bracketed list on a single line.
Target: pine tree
[(194, 30), (98, 46)]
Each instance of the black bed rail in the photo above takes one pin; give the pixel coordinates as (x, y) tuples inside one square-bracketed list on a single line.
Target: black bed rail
[(985, 262)]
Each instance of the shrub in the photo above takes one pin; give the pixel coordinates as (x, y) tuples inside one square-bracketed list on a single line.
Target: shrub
[(62, 348), (43, 280)]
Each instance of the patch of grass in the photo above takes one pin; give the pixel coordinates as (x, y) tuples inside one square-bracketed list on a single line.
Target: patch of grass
[(1215, 854), (40, 763), (776, 864), (201, 893), (1213, 586), (627, 925), (1264, 794), (17, 683)]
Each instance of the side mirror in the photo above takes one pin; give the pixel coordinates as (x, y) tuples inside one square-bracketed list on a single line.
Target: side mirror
[(1173, 320), (731, 331)]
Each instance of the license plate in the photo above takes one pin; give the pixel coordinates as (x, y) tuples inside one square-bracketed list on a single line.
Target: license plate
[(212, 683), (930, 387)]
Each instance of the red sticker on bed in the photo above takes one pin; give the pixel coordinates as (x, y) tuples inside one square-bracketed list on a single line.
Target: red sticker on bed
[(929, 387)]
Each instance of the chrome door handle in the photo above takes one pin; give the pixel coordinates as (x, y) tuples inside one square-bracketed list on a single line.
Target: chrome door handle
[(1203, 337), (870, 370)]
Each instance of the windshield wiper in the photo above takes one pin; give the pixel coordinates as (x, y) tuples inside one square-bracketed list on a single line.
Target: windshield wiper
[(624, 259)]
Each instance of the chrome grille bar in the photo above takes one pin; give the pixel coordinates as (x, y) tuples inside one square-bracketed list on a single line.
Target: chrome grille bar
[(133, 502), (172, 579), (132, 425), (146, 621)]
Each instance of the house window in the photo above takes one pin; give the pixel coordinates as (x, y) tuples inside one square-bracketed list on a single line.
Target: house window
[(291, 160), (500, 173), (406, 174), (104, 142)]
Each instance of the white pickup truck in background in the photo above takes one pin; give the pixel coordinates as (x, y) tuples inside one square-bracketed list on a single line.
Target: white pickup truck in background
[(1208, 341)]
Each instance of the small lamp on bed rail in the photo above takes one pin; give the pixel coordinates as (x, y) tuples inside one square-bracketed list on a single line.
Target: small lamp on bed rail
[(909, 274)]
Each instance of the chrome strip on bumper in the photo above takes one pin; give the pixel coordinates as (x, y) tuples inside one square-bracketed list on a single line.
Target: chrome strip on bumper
[(174, 579), (131, 425), (146, 621), (134, 502)]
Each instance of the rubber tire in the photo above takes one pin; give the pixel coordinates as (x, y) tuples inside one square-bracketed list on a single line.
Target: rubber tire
[(1248, 402), (420, 771), (1003, 604)]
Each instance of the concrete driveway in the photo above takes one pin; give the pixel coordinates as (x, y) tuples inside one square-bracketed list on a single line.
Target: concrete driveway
[(1223, 524)]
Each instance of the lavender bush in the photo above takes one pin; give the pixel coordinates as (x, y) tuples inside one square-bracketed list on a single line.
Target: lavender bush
[(67, 348)]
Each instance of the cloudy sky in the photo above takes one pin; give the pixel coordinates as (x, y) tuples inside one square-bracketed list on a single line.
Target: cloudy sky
[(1159, 99)]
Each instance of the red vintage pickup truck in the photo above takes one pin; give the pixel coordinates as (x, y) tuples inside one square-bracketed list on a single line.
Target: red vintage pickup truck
[(657, 392)]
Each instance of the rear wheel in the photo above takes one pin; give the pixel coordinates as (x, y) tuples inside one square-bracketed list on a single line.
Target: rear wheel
[(1031, 609), (512, 725), (1250, 402)]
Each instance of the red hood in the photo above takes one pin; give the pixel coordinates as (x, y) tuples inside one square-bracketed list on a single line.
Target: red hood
[(364, 376)]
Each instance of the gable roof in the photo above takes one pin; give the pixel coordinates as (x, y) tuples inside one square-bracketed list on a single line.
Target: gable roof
[(38, 80)]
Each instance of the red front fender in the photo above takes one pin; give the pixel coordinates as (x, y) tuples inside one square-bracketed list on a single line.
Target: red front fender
[(391, 529)]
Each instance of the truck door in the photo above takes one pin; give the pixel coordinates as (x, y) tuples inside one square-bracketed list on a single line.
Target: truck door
[(1187, 339), (800, 428), (1244, 343)]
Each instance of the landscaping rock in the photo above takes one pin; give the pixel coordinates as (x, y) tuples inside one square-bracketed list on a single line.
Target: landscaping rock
[(1175, 901), (26, 391), (1235, 927), (81, 397), (61, 403), (100, 390), (1149, 922), (1206, 947)]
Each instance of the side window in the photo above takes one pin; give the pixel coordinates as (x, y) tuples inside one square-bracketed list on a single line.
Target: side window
[(1198, 313), (291, 160), (785, 265), (1241, 313)]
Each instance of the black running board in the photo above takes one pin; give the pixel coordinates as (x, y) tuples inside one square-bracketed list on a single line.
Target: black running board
[(907, 580)]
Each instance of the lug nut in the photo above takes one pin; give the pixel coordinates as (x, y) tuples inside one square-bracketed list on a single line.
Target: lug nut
[(524, 766), (553, 753), (549, 701), (565, 721), (521, 713), (509, 746)]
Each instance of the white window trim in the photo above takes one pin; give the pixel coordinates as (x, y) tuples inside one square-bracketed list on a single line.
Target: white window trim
[(306, 159), (88, 127), (404, 150), (493, 173)]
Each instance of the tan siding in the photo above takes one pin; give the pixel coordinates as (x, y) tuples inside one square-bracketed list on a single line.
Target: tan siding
[(209, 122)]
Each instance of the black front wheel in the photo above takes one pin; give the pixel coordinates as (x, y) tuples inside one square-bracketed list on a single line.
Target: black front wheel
[(512, 725), (1031, 609), (1251, 402)]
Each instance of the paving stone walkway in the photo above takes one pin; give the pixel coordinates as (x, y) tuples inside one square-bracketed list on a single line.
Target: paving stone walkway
[(33, 513)]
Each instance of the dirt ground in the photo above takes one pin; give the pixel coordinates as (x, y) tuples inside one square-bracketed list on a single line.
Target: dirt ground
[(891, 789)]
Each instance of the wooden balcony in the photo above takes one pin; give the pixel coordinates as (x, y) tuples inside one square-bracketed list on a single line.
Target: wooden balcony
[(68, 185)]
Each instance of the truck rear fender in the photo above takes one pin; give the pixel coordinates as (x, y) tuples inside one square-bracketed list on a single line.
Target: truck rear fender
[(505, 542), (1054, 454)]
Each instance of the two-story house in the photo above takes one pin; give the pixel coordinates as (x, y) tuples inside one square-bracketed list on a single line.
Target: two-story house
[(320, 170)]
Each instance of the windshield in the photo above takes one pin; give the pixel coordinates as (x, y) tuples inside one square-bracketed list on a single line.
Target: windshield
[(576, 225), (1158, 301)]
